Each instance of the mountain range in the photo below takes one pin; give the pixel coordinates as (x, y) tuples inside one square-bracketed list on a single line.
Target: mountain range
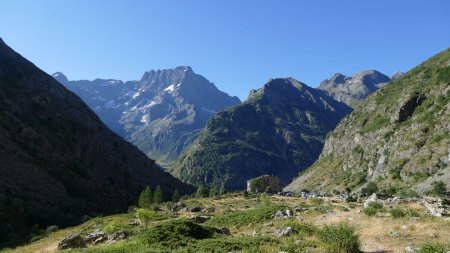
[(161, 114), (278, 130), (353, 89), (58, 160), (398, 138)]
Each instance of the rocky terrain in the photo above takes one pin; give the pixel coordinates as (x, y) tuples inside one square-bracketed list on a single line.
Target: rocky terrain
[(399, 137), (278, 131), (58, 160), (258, 223), (161, 114), (353, 89)]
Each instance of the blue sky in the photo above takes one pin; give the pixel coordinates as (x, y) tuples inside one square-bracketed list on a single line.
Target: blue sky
[(237, 44)]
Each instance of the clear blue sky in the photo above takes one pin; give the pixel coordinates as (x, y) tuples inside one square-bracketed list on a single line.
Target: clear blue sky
[(237, 44)]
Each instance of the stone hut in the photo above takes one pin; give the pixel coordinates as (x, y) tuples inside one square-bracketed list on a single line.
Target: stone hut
[(264, 183)]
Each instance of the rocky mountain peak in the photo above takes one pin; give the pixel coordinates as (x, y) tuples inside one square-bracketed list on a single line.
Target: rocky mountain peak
[(353, 89), (60, 77), (397, 75)]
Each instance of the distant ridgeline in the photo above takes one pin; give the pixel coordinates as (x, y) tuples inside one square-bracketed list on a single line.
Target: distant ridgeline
[(161, 114)]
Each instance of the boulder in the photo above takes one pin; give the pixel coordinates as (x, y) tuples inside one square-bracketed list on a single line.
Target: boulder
[(195, 209), (100, 240), (278, 215), (283, 232), (288, 213), (371, 198), (199, 218), (121, 235), (72, 242), (223, 230), (134, 222), (178, 206), (91, 237), (436, 206)]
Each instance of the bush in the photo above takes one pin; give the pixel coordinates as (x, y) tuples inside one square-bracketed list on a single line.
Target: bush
[(370, 211), (146, 216), (439, 189), (397, 212), (176, 233), (434, 248), (247, 217), (339, 238), (370, 189), (376, 205), (114, 226), (303, 229)]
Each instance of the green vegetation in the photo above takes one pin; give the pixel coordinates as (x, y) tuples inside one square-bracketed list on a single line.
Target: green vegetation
[(340, 238), (176, 196), (146, 197), (434, 248), (247, 217), (370, 189), (202, 192), (158, 195), (439, 189)]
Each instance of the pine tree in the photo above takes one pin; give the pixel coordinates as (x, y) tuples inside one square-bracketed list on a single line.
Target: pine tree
[(158, 195), (176, 196), (146, 197), (202, 192)]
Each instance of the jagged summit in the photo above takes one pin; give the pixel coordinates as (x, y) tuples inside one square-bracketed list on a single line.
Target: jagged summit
[(397, 75), (353, 89), (161, 113)]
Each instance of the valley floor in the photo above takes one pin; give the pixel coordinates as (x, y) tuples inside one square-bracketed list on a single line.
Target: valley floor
[(252, 225)]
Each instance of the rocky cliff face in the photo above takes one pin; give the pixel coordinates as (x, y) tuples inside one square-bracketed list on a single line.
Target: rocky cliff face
[(278, 131), (351, 90), (58, 160), (399, 137), (161, 114)]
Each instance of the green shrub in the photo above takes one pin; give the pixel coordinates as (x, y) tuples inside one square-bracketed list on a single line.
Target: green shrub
[(339, 238), (376, 205), (397, 212), (439, 189), (176, 233), (370, 189), (114, 226), (370, 211), (146, 215), (247, 217), (303, 229), (229, 244), (434, 248)]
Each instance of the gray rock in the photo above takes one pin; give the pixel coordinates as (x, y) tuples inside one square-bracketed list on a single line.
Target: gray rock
[(278, 215), (223, 230), (121, 235), (371, 198), (283, 232), (195, 209), (100, 240), (288, 213), (91, 237), (72, 242), (199, 218), (436, 206), (178, 206), (134, 222), (394, 234)]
